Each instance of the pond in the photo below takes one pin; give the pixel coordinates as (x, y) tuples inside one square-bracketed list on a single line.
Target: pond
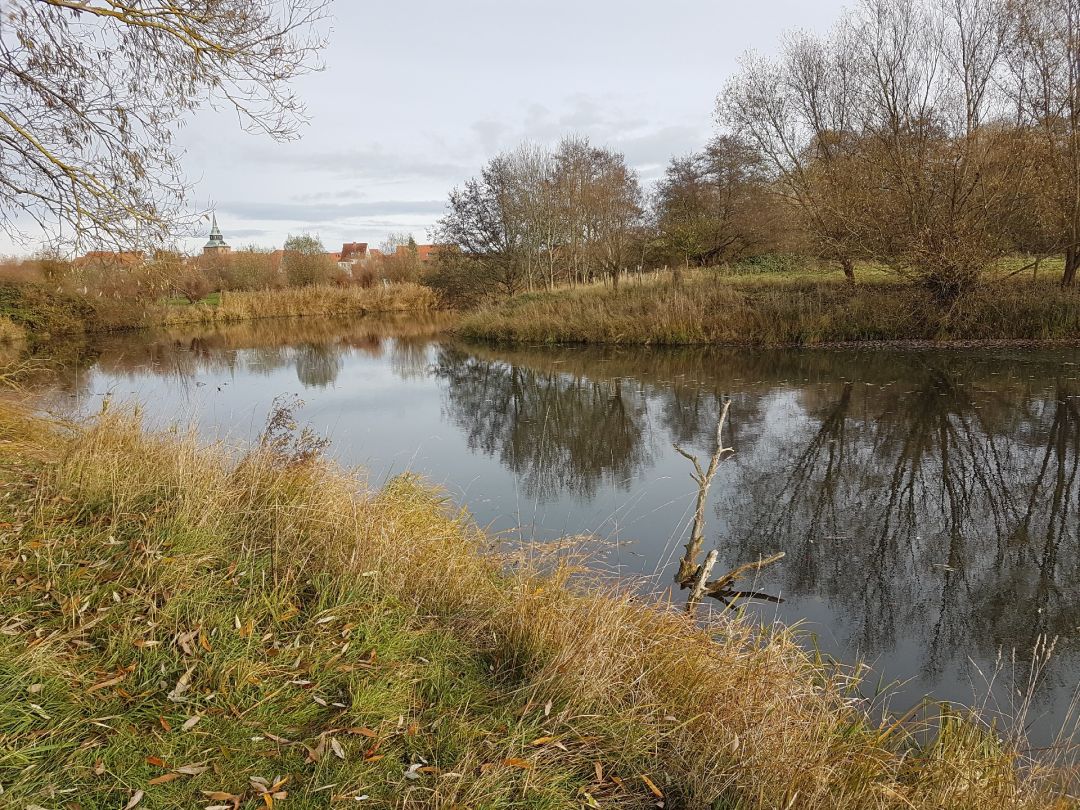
[(927, 501)]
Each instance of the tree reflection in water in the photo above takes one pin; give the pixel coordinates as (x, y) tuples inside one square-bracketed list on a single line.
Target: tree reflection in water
[(557, 431)]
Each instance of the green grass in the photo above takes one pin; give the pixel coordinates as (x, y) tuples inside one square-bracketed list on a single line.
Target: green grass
[(781, 308), (178, 624)]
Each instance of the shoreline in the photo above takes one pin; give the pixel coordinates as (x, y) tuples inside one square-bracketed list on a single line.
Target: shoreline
[(900, 344), (40, 313)]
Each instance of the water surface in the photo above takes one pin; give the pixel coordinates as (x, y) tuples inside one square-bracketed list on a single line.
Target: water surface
[(927, 501)]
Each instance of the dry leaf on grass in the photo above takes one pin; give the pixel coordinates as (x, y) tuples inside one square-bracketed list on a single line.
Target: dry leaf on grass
[(651, 785)]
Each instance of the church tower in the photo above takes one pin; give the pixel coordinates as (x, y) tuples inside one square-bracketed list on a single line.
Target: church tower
[(216, 245)]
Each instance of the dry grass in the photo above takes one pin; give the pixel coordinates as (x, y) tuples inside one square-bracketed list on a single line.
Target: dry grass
[(327, 300), (43, 311), (335, 636), (710, 307)]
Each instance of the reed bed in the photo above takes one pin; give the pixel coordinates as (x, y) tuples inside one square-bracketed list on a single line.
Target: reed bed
[(711, 308), (324, 300), (42, 312), (185, 628)]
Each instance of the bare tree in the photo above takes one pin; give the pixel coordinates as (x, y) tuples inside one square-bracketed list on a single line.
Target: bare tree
[(614, 203), (92, 91), (797, 111), (712, 206), (1044, 63)]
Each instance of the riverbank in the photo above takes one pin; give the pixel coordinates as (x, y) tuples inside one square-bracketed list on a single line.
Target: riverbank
[(37, 312), (183, 626), (759, 310)]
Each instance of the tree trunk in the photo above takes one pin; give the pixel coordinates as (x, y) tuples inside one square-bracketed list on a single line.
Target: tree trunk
[(849, 269), (1072, 260)]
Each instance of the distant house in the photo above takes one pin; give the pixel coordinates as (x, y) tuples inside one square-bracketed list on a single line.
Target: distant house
[(352, 254), (424, 253)]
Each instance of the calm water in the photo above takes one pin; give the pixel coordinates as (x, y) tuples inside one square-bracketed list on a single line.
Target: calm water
[(927, 501)]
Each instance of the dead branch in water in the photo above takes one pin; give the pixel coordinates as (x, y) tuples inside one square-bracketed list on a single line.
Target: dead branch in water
[(688, 567), (692, 575)]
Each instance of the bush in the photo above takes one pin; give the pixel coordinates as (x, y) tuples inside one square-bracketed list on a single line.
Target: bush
[(250, 269), (42, 311), (774, 263)]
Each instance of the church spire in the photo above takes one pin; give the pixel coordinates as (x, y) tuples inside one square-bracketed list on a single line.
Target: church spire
[(216, 239)]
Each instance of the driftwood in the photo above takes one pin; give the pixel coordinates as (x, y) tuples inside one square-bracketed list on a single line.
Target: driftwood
[(691, 574)]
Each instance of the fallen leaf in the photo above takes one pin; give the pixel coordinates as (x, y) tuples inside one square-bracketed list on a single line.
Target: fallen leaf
[(219, 795), (515, 762), (165, 777), (374, 758), (204, 643), (181, 685), (599, 770), (192, 770), (164, 723), (156, 761), (541, 741), (326, 620), (362, 730), (547, 708), (106, 684), (335, 746), (191, 721), (134, 800), (99, 768), (651, 785), (34, 688), (315, 754)]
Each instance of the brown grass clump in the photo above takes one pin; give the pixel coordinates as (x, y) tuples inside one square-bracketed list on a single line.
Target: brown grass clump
[(710, 307), (179, 624)]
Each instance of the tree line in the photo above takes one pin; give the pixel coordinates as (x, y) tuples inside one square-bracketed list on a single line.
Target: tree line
[(930, 137)]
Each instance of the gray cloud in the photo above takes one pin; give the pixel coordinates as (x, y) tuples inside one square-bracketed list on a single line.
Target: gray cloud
[(372, 164), (329, 211)]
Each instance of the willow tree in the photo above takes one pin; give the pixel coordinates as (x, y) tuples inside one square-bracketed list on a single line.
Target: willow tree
[(93, 91)]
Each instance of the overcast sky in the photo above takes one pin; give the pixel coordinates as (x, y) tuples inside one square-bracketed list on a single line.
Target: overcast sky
[(417, 94)]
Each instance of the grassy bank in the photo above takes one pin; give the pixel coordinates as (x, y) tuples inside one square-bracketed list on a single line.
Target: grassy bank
[(183, 628), (38, 311), (709, 307)]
